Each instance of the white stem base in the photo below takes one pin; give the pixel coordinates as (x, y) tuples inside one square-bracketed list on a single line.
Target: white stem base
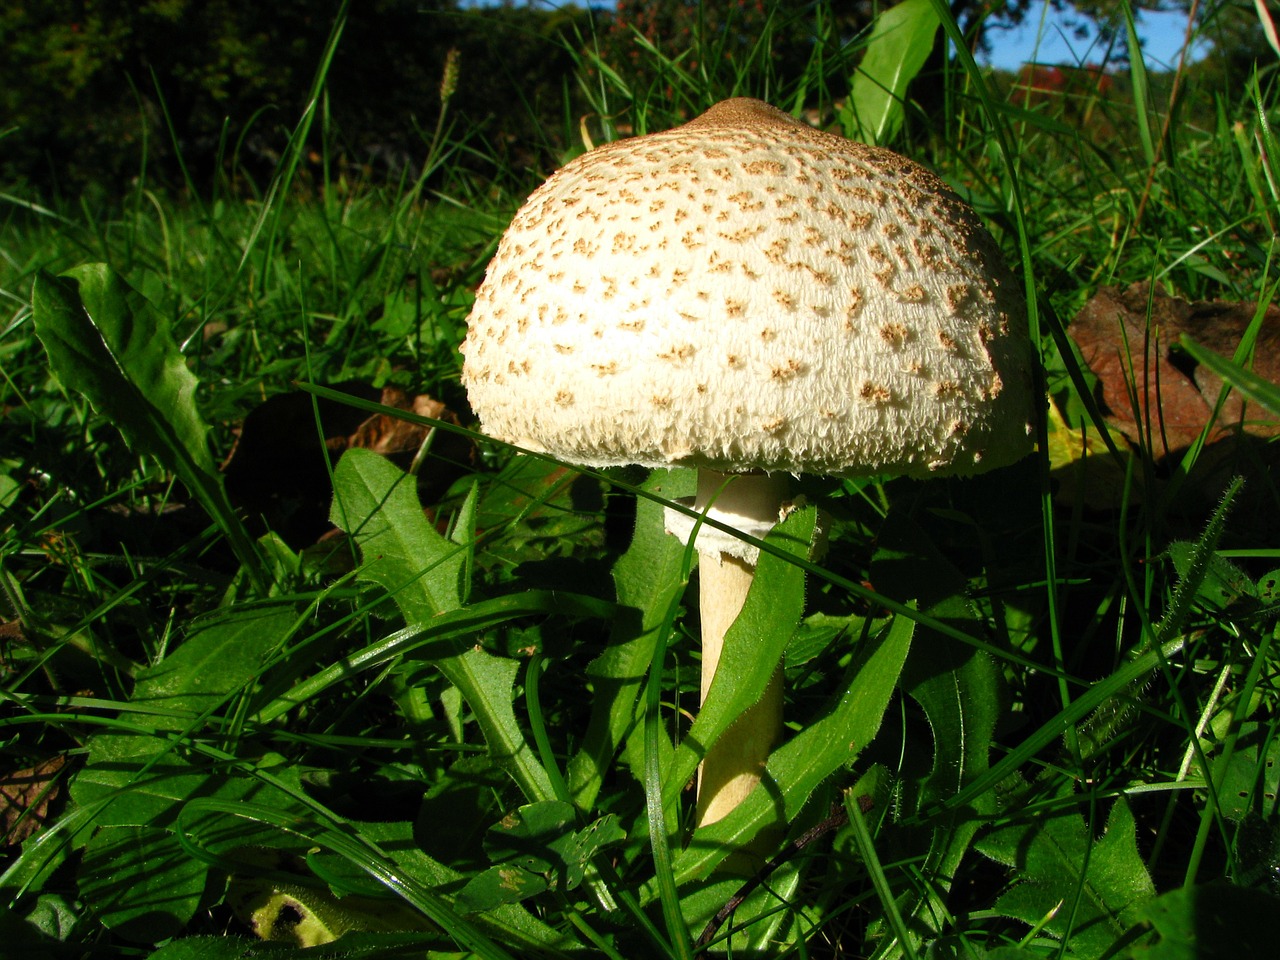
[(733, 767)]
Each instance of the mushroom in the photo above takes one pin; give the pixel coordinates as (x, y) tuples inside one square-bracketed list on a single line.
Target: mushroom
[(755, 298)]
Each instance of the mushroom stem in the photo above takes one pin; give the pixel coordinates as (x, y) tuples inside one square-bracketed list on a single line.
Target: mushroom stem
[(734, 764)]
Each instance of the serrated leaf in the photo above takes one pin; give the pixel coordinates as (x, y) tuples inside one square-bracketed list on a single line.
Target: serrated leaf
[(418, 567), (105, 341), (1093, 889), (423, 571), (539, 838), (647, 578), (956, 686), (524, 836), (1212, 922), (1224, 583), (583, 846), (901, 41)]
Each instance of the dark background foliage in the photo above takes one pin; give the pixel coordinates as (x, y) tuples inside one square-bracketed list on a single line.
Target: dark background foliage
[(201, 94), (90, 87)]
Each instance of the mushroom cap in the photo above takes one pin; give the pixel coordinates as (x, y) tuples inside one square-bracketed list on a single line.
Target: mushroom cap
[(745, 292)]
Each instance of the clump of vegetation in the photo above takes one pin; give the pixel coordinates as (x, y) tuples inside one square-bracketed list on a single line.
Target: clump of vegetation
[(296, 663)]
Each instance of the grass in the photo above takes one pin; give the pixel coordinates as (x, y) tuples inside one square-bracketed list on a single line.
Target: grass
[(459, 732)]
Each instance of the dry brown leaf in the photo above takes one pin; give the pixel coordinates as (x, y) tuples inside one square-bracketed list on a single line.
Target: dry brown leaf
[(25, 797), (1154, 394)]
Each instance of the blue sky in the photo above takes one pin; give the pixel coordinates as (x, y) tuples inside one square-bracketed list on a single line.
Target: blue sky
[(1049, 40), (1161, 33)]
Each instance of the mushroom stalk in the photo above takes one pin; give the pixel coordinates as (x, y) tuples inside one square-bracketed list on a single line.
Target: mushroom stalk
[(734, 764)]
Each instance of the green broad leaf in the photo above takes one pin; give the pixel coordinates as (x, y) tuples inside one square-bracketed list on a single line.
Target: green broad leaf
[(106, 341), (423, 572), (525, 837), (503, 883), (1223, 584), (964, 948), (648, 579), (535, 848), (209, 948), (1213, 922), (1251, 781), (827, 743), (138, 780), (141, 779), (41, 930), (140, 883), (139, 871), (901, 41), (221, 657), (957, 687), (753, 646), (1091, 891), (376, 502), (142, 782), (510, 923)]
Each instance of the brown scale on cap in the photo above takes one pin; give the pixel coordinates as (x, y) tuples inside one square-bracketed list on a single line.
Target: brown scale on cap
[(858, 273)]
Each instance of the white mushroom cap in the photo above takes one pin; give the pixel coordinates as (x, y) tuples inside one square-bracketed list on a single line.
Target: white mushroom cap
[(747, 293)]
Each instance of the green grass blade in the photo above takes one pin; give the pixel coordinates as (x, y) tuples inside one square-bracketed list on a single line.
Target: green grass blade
[(1141, 84), (1261, 391), (660, 836), (884, 891)]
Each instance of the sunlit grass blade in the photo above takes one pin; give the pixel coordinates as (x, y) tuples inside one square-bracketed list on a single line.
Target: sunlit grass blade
[(1258, 389)]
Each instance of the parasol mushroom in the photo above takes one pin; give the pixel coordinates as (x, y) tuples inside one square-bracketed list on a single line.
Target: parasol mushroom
[(755, 298)]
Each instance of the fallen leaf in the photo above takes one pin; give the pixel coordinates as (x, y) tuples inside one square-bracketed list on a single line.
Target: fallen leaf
[(1155, 394), (25, 797)]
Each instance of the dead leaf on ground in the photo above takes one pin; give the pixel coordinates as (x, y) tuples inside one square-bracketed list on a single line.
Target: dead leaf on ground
[(1156, 395), (25, 797), (277, 471)]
